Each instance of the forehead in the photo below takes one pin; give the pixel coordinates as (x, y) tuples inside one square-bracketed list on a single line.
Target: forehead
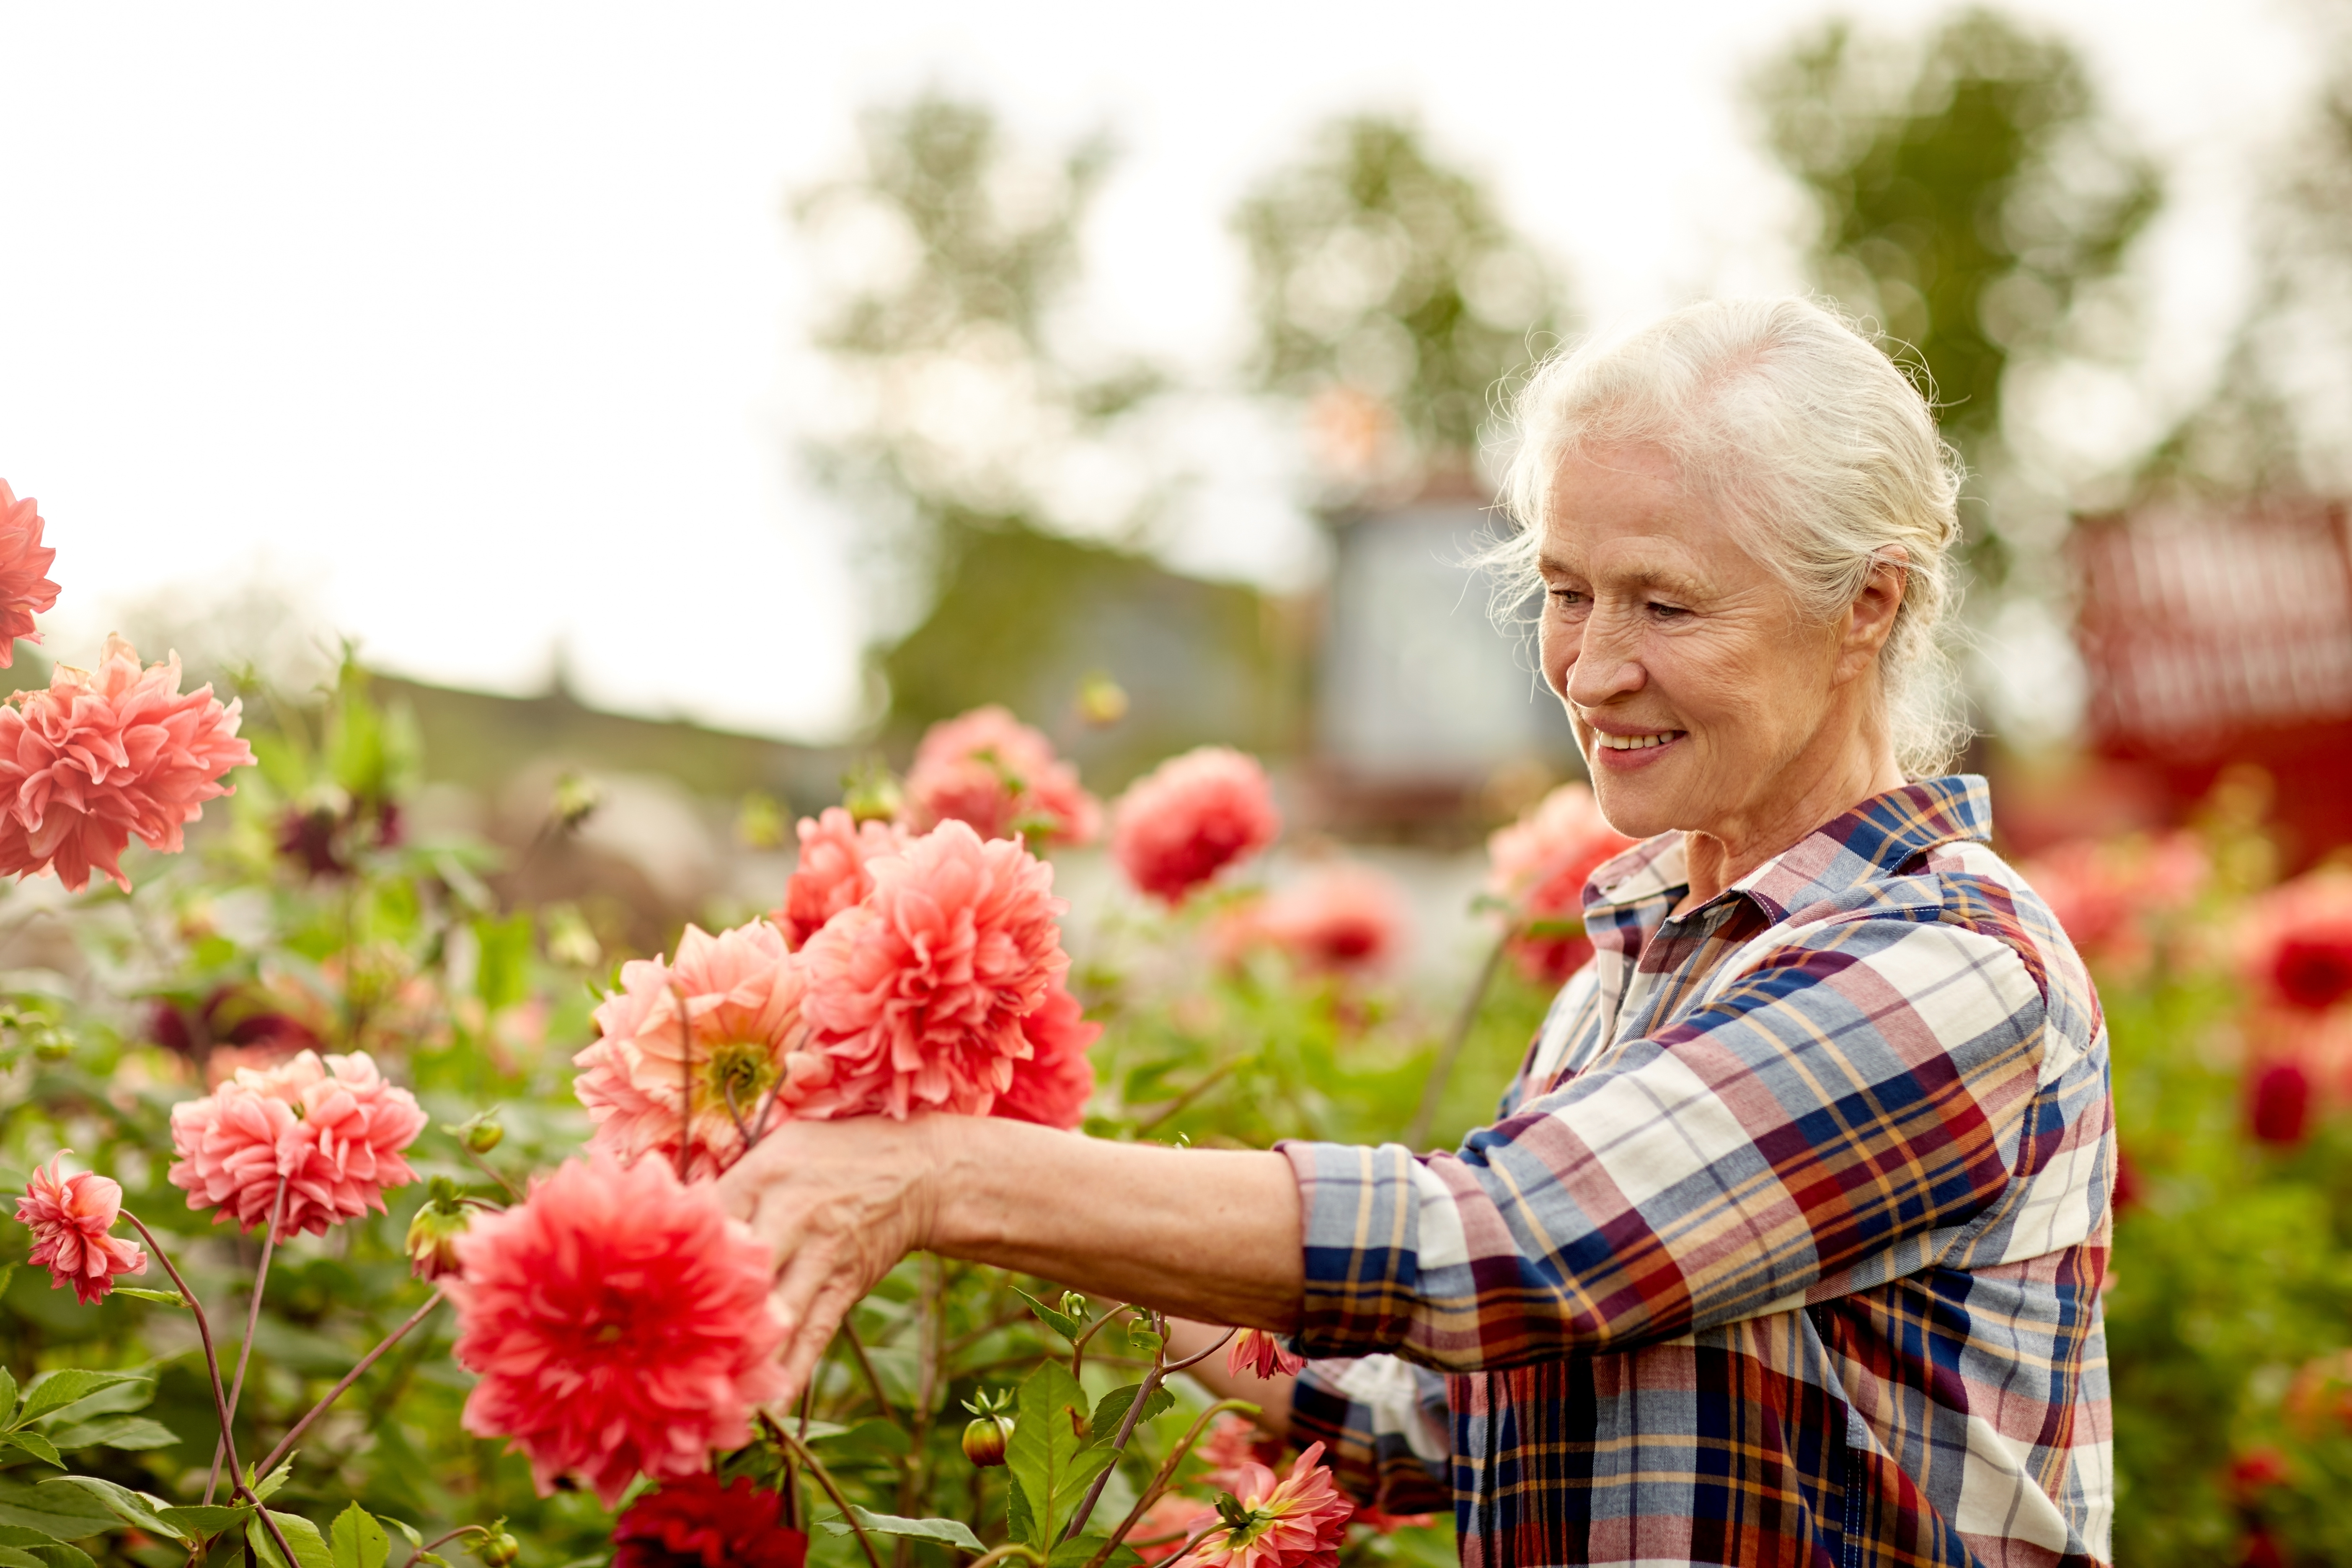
[(1624, 513)]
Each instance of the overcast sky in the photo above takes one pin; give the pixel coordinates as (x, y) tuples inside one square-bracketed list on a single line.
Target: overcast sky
[(477, 328)]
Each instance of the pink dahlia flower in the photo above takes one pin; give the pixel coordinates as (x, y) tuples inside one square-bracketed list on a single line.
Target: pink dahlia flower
[(335, 1129), (71, 1216), (25, 587), (1339, 917), (2296, 944), (921, 993), (1191, 816), (99, 756), (989, 769), (1260, 1354), (831, 876), (1168, 1524), (1300, 1521), (619, 1320), (734, 1002), (1052, 1086), (2111, 895), (1538, 868), (1232, 1444)]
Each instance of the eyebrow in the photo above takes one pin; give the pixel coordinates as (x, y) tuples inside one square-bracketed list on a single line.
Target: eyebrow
[(1671, 582)]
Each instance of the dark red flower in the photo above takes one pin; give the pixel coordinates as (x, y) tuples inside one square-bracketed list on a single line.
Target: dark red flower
[(2281, 1104), (695, 1523), (2260, 1549), (2314, 968)]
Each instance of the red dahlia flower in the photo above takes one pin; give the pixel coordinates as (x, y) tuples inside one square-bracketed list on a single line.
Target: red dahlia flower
[(620, 1324), (2297, 941), (99, 756), (1191, 816), (989, 770), (1300, 1521), (1260, 1354), (741, 995), (695, 1523), (25, 586), (1538, 868), (921, 993), (831, 876), (71, 1216), (334, 1129), (1337, 917)]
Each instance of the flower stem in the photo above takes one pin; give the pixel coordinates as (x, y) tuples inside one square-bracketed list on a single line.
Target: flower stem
[(252, 1322), (287, 1443), (1456, 1038), (1078, 1345), (686, 1084), (237, 1487), (1158, 1486), (825, 1478), (443, 1539), (1159, 1374)]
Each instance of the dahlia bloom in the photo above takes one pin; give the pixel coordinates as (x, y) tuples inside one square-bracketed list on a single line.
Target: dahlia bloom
[(1538, 868), (1189, 817), (70, 1217), (1260, 1354), (25, 586), (831, 876), (1232, 1443), (2110, 895), (99, 756), (2297, 942), (1168, 1524), (620, 1324), (741, 994), (695, 1523), (1300, 1521), (920, 995), (334, 1129), (1052, 1086), (1336, 918), (989, 769)]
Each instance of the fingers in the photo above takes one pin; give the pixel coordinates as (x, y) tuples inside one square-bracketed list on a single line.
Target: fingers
[(822, 1321)]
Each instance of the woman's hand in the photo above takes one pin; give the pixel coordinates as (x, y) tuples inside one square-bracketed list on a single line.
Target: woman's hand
[(840, 1203)]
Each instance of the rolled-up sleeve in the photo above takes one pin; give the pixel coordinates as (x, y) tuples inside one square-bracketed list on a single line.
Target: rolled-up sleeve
[(1853, 1093)]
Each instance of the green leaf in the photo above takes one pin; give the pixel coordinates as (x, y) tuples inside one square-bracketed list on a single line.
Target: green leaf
[(200, 1521), (951, 1531), (1018, 1523), (121, 1400), (60, 1555), (416, 1542), (1112, 1409), (872, 1440), (130, 1507), (357, 1540), (60, 1389), (33, 1443), (161, 1298), (433, 1560), (132, 1434), (1079, 1550), (1061, 1322), (16, 1557), (502, 972), (17, 1535), (7, 1398), (309, 1546), (1044, 1453), (64, 1511), (266, 1487)]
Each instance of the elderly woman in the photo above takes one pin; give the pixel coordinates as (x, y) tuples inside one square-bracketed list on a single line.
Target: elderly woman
[(1787, 1243)]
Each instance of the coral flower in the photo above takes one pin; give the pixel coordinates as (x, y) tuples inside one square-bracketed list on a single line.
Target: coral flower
[(831, 876), (620, 1324), (70, 1217), (1260, 1354), (1232, 1443), (1191, 816), (1340, 917), (1538, 868), (921, 993), (989, 769), (695, 1523), (334, 1130), (99, 756), (2110, 894), (2297, 942), (1300, 1521), (741, 996), (1168, 1524), (1052, 1086), (25, 586)]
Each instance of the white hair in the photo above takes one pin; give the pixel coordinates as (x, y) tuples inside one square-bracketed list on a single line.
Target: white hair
[(1783, 413)]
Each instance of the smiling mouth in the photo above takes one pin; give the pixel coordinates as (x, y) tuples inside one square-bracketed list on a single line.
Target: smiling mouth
[(1635, 743)]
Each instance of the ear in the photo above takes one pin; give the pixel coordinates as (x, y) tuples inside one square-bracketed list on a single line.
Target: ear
[(1870, 619)]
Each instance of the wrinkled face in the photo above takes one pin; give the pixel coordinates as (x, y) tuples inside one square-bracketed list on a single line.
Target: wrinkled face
[(1700, 693)]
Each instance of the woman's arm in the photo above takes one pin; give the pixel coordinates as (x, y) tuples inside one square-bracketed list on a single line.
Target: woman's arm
[(1204, 1233)]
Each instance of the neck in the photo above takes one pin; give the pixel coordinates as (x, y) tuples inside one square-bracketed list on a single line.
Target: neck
[(1721, 854)]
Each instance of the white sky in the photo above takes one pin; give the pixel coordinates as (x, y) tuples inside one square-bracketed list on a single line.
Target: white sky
[(479, 325)]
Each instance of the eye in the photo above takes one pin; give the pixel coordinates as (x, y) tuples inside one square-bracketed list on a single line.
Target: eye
[(1567, 597), (1667, 611)]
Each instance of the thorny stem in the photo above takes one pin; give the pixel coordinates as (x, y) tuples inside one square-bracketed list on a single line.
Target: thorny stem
[(237, 1487), (286, 1444), (252, 1322), (1417, 1132), (1160, 1370), (825, 1478), (1158, 1486)]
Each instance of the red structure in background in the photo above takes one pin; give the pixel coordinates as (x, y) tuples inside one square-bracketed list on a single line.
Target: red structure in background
[(2220, 639)]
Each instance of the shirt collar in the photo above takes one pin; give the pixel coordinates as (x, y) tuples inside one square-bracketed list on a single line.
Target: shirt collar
[(1874, 840)]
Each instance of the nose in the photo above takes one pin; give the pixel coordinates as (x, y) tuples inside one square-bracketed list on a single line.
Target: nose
[(1596, 661)]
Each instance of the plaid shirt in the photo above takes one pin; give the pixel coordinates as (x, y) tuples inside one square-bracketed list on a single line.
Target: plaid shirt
[(1787, 1245)]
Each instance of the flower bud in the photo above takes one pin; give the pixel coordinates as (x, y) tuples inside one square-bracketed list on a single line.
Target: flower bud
[(496, 1549), (984, 1439), (483, 1133), (433, 1235), (871, 794), (1102, 701)]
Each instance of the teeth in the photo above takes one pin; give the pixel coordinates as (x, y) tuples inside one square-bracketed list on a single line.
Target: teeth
[(1637, 742)]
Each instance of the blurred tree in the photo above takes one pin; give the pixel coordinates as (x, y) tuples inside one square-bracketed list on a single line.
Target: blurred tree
[(1389, 292), (1973, 199), (999, 460)]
